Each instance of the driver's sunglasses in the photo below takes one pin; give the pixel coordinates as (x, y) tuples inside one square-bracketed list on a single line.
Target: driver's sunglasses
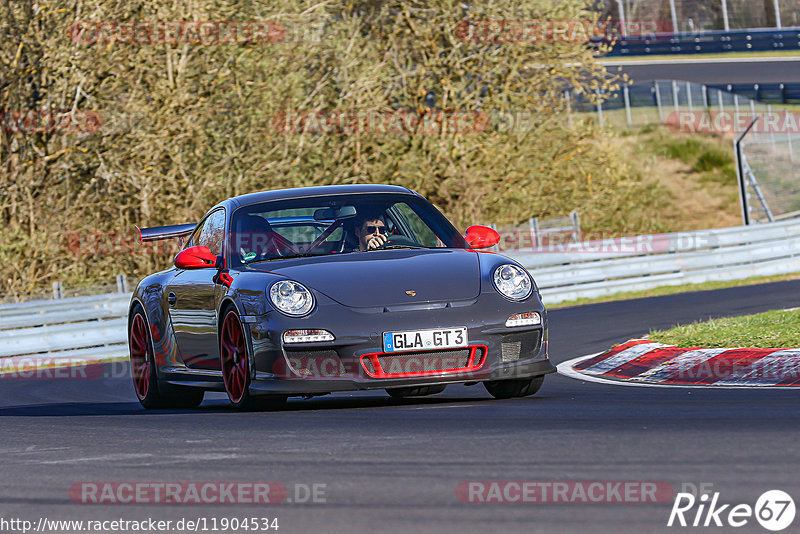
[(371, 229)]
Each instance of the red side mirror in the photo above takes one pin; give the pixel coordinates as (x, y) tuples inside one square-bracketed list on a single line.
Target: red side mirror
[(482, 237), (196, 257)]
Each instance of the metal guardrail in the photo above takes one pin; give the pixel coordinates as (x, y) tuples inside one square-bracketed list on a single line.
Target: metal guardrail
[(84, 327), (665, 259), (75, 328), (709, 42)]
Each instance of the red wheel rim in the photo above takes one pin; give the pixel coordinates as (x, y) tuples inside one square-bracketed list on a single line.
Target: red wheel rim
[(233, 353), (140, 356)]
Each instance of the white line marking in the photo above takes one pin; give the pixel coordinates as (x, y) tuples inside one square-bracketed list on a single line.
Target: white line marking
[(108, 457), (566, 369)]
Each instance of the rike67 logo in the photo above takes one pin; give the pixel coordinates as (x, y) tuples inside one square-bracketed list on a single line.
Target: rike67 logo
[(774, 510)]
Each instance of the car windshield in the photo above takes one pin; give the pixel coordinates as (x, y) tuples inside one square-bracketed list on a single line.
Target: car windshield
[(340, 224)]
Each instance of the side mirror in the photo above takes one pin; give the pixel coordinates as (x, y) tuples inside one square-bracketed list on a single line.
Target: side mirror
[(197, 257), (482, 237)]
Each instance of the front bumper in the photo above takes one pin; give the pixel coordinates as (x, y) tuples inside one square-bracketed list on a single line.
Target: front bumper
[(495, 352)]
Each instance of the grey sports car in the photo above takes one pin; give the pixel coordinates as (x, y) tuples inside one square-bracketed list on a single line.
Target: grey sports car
[(304, 292)]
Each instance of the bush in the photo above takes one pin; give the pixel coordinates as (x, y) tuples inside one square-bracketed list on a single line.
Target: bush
[(187, 125)]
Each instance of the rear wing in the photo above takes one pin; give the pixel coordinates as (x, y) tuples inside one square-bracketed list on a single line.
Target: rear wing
[(157, 233)]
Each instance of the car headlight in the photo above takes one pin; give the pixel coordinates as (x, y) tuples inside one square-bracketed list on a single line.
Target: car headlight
[(291, 298), (512, 282)]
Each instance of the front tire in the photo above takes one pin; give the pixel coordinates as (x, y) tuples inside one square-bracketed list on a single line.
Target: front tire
[(518, 387), (150, 393), (235, 366)]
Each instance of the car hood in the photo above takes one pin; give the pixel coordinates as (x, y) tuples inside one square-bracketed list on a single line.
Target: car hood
[(383, 278)]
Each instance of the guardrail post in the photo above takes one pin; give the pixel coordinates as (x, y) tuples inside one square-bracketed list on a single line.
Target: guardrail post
[(658, 102), (627, 99), (534, 224), (122, 283), (622, 18), (58, 290), (725, 22), (771, 133), (576, 226), (689, 96), (674, 16), (788, 136), (675, 103), (737, 150)]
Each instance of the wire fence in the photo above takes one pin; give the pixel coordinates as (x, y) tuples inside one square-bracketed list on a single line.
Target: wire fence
[(768, 168), (691, 16), (769, 178)]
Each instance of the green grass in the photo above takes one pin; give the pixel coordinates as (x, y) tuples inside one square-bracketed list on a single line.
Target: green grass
[(712, 159), (772, 329), (685, 150), (672, 290)]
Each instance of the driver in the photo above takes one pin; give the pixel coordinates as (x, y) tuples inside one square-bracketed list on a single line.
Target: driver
[(371, 231)]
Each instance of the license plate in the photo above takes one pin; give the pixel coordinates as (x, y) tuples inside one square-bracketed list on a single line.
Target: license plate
[(441, 338)]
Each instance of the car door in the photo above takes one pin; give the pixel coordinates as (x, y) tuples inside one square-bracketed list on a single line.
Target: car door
[(192, 299)]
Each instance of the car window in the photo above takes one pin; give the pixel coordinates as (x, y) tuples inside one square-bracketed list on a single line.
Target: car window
[(211, 232), (336, 224), (302, 230), (420, 232)]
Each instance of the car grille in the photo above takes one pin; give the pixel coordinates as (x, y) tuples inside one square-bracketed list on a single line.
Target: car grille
[(424, 363), (521, 345)]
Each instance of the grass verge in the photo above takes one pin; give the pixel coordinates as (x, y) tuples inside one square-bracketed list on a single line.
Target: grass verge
[(772, 329), (672, 290)]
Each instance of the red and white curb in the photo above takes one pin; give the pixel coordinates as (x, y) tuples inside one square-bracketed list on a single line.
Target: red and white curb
[(641, 362)]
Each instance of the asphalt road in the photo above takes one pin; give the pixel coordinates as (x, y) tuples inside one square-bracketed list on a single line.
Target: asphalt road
[(391, 466), (713, 71)]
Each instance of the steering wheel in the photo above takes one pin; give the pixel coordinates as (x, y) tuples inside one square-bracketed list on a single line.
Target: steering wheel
[(399, 240)]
